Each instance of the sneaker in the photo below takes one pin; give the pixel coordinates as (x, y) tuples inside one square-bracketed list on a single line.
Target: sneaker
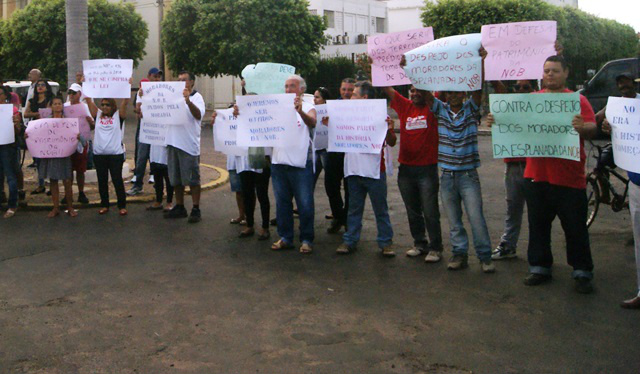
[(178, 211), (388, 251), (583, 285), (135, 190), (133, 180), (488, 267), (458, 262), (414, 252), (82, 198), (502, 252), (535, 279), (344, 249), (195, 215), (433, 256), (152, 180)]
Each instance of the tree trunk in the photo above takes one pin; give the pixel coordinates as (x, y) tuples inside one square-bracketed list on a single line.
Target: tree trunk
[(77, 19)]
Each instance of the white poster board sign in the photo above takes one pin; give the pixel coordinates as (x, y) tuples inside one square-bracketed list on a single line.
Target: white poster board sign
[(153, 133), (163, 103), (624, 116), (321, 137), (266, 120), (225, 134), (357, 126), (7, 131), (107, 78)]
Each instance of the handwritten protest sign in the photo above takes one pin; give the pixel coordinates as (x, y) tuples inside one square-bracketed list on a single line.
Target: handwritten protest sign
[(45, 112), (7, 131), (386, 51), (52, 137), (81, 112), (163, 103), (225, 134), (624, 116), (539, 125), (518, 50), (264, 120), (266, 77), (107, 78), (447, 64), (321, 137), (357, 126), (153, 133)]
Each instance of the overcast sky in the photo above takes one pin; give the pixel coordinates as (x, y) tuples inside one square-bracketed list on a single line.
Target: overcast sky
[(623, 11)]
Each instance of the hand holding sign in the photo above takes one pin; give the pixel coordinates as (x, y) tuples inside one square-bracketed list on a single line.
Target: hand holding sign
[(518, 50), (163, 103), (107, 78), (265, 120)]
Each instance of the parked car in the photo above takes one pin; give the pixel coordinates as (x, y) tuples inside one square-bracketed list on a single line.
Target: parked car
[(603, 83)]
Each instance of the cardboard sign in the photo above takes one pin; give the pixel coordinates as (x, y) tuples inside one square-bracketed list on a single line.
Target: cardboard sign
[(7, 131), (321, 136), (107, 78), (518, 50), (266, 120), (225, 132), (624, 116), (266, 77), (45, 113), (386, 51), (163, 103), (81, 112), (357, 126), (535, 125), (446, 64), (52, 137)]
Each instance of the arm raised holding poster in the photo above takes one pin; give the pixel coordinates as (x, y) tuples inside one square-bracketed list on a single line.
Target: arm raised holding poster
[(107, 78)]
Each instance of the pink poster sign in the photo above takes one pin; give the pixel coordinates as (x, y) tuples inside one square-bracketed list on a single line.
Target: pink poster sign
[(52, 137), (386, 51), (81, 112), (518, 50)]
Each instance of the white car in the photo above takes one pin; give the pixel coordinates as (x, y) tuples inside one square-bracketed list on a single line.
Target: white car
[(22, 88)]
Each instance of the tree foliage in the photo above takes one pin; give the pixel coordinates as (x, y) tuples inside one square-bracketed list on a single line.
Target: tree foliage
[(329, 73), (588, 41), (215, 37), (34, 37)]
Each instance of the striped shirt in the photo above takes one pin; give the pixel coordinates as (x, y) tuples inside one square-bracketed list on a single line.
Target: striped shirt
[(458, 136)]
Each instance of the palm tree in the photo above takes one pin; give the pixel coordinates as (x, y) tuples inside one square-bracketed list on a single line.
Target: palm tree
[(77, 19)]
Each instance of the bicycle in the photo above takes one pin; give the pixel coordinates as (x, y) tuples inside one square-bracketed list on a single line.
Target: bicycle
[(600, 190)]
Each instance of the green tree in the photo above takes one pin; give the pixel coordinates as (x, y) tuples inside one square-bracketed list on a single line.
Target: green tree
[(216, 37), (588, 41), (329, 73), (35, 36)]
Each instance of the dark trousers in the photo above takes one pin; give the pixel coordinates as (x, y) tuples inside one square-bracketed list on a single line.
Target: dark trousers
[(546, 201), (110, 165), (256, 184), (419, 186), (161, 178), (333, 177)]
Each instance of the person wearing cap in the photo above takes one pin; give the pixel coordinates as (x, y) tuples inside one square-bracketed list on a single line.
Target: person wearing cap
[(78, 160), (626, 86), (141, 156)]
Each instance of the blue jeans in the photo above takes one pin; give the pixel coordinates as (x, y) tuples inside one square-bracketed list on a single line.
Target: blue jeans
[(463, 187), (377, 190), (9, 166), (514, 186), (290, 182)]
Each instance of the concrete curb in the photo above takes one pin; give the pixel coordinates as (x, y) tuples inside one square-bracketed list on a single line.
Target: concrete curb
[(220, 181)]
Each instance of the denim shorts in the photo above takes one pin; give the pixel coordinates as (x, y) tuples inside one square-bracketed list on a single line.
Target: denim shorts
[(234, 180)]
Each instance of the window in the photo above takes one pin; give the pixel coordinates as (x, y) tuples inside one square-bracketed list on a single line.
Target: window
[(330, 18), (380, 25)]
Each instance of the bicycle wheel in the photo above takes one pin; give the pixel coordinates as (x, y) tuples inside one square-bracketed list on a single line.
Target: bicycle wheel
[(593, 198)]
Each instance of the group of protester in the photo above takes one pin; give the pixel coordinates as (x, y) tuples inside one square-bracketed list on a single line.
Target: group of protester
[(436, 131)]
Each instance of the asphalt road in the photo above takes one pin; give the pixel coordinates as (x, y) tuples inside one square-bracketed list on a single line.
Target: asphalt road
[(140, 294)]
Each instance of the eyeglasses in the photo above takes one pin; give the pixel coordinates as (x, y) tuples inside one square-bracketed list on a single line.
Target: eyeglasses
[(72, 92), (519, 87)]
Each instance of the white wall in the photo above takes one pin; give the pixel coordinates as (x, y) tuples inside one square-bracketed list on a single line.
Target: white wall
[(404, 14)]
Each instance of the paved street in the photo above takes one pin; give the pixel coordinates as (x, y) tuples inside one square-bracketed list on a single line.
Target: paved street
[(140, 294)]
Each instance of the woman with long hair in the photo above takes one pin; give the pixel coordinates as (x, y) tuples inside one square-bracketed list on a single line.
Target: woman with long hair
[(41, 100), (108, 152)]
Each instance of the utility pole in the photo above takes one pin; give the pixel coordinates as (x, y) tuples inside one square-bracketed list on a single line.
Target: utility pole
[(160, 19)]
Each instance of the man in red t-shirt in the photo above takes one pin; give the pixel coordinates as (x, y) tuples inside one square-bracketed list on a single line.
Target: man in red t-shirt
[(418, 173), (557, 187)]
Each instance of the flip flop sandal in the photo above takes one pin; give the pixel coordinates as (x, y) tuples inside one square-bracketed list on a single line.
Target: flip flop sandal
[(10, 213), (281, 245)]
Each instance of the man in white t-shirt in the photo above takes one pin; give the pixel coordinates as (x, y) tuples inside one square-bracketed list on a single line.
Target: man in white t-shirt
[(366, 175), (183, 152), (292, 175)]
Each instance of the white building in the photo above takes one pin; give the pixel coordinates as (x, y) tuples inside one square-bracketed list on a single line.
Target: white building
[(571, 3), (404, 14), (349, 24)]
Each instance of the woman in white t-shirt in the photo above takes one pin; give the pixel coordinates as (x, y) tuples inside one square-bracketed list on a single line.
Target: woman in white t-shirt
[(108, 152)]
